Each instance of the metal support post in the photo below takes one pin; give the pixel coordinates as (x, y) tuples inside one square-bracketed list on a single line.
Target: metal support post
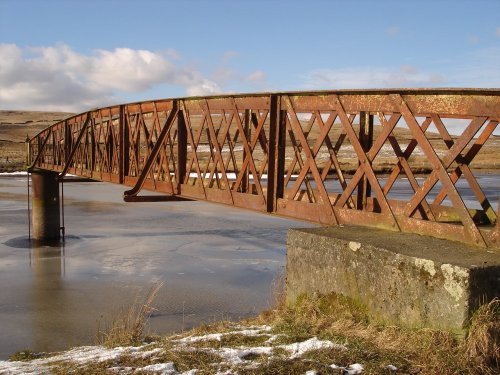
[(181, 151), (46, 208), (276, 166), (366, 141)]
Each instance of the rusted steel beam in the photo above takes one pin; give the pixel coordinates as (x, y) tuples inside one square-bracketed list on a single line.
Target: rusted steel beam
[(248, 151), (275, 154), (216, 155), (440, 167), (365, 168), (224, 148), (75, 145), (366, 142), (310, 161), (258, 137), (124, 145), (154, 153), (40, 150), (248, 135), (463, 166), (181, 150)]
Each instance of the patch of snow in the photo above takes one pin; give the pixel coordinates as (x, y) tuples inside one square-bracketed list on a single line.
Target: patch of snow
[(351, 370), (91, 354), (229, 175), (24, 173), (230, 356), (163, 368), (273, 338), (209, 337), (312, 372), (149, 353), (391, 368), (354, 369), (237, 356), (121, 370), (84, 354), (254, 331), (16, 173), (300, 348)]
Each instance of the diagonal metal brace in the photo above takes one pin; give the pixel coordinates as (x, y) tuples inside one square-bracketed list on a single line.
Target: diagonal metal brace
[(75, 147), (39, 152), (154, 153)]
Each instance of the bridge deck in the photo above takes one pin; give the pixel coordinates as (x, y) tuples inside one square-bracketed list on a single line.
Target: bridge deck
[(330, 157)]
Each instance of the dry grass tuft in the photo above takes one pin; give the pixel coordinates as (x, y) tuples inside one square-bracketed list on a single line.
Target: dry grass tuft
[(128, 327), (482, 345), (278, 291), (342, 320), (206, 362)]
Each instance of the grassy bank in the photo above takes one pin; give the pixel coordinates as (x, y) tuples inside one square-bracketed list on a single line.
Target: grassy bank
[(323, 335)]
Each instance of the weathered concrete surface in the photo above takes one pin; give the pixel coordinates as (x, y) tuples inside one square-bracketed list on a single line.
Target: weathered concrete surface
[(403, 279)]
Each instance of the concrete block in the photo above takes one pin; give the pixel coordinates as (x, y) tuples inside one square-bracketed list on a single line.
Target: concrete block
[(402, 279)]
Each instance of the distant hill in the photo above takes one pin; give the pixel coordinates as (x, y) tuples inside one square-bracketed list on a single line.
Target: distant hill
[(14, 127)]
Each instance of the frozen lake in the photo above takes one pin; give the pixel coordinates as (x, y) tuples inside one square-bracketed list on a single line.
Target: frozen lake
[(215, 261)]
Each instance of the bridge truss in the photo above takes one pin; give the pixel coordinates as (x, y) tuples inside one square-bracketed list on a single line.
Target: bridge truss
[(382, 158)]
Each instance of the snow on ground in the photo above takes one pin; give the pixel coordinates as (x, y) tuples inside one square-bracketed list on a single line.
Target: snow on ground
[(24, 173), (80, 355), (354, 369), (299, 348), (19, 173), (257, 331), (231, 356)]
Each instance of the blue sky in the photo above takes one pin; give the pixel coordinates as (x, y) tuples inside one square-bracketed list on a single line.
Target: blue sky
[(75, 54)]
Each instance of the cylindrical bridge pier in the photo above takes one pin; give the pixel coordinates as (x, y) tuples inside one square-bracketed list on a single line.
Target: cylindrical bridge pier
[(45, 211)]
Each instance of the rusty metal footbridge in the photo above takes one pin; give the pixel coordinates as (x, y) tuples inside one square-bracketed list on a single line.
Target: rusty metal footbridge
[(331, 157)]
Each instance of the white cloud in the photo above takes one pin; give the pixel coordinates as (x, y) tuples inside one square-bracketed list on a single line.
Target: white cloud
[(58, 78), (205, 87), (195, 83), (129, 70), (367, 77)]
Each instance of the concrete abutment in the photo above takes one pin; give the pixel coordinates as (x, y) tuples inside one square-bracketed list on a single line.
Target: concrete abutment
[(402, 279)]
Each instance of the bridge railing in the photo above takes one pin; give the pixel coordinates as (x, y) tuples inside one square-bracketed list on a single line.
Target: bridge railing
[(375, 158)]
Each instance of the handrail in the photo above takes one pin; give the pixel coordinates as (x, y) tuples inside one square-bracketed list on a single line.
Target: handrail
[(299, 154)]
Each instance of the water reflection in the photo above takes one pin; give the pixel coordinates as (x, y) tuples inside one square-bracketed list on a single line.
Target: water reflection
[(52, 296), (48, 294), (217, 262)]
